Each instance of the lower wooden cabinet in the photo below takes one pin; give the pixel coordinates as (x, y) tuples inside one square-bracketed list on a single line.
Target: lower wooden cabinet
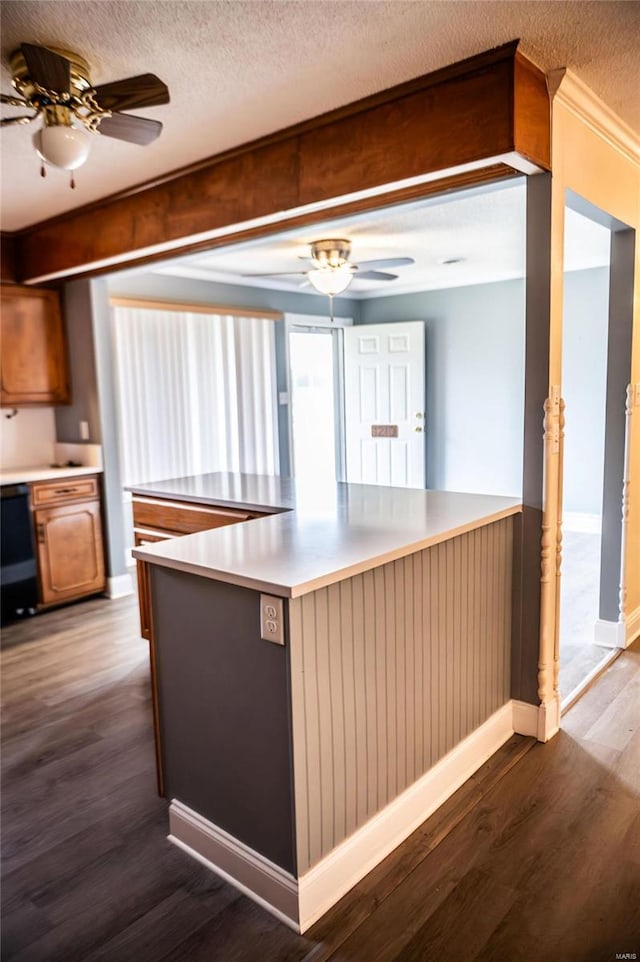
[(69, 542)]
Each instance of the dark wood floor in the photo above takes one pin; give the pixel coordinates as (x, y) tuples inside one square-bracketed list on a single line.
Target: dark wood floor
[(536, 857)]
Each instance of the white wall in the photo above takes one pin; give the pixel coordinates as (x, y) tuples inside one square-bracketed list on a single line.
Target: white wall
[(27, 439), (475, 382)]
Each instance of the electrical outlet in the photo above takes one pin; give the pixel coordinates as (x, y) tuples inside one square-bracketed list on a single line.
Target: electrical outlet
[(272, 619), (84, 430)]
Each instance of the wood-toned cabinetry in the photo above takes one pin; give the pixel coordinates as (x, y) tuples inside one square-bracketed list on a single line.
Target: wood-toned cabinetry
[(156, 519), (68, 526), (33, 362)]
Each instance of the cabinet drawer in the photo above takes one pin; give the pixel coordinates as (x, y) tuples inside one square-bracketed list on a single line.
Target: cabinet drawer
[(177, 517), (65, 490)]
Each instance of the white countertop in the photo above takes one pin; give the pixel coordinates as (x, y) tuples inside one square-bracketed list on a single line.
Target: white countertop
[(43, 472), (321, 535)]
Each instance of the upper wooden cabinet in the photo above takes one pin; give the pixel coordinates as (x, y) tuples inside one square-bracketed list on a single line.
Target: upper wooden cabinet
[(33, 359)]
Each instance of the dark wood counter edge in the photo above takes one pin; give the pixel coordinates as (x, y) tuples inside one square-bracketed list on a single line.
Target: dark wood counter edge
[(148, 556)]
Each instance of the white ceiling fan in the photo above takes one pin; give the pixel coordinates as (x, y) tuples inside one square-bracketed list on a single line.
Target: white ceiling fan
[(331, 270)]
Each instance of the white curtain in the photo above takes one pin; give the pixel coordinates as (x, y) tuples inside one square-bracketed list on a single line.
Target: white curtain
[(195, 392)]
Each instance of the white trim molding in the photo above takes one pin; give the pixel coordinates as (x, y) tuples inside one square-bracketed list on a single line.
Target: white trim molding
[(252, 873), (119, 587), (609, 634), (525, 718), (567, 89), (299, 902), (549, 719), (633, 626)]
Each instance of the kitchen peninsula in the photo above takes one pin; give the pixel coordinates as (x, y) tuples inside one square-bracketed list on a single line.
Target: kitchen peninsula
[(295, 764)]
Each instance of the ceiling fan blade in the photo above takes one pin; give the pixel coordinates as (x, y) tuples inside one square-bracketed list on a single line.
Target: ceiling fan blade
[(146, 90), (47, 68), (14, 121), (275, 274), (375, 276), (135, 130), (386, 262)]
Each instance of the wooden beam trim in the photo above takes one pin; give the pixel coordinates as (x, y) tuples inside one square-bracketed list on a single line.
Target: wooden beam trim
[(8, 257), (404, 195), (363, 154), (391, 95), (500, 168), (189, 308)]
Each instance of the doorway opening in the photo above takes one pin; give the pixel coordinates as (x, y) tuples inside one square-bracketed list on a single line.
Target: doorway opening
[(596, 368), (316, 388)]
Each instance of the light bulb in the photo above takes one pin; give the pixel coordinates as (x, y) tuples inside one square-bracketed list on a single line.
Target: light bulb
[(62, 146), (331, 281)]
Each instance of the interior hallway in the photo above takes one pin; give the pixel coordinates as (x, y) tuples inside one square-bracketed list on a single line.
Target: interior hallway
[(537, 856)]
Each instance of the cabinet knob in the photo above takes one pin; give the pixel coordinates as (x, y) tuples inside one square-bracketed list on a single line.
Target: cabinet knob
[(40, 530)]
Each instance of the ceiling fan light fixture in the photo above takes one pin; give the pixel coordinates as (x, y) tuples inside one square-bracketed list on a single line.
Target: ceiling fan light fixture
[(331, 281), (62, 145)]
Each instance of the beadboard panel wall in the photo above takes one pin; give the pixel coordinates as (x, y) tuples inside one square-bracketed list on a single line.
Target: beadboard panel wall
[(391, 669)]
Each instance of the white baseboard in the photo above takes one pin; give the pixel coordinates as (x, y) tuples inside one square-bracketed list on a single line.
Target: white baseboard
[(525, 718), (252, 873), (609, 634), (301, 902), (548, 720), (119, 587), (633, 626), (324, 884)]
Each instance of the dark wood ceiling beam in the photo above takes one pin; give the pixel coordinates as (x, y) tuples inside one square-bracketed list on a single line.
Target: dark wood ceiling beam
[(479, 111), (8, 258)]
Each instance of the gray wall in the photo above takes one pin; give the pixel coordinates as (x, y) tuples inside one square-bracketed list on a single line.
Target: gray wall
[(584, 376), (475, 378), (84, 378), (225, 724), (86, 306), (159, 286), (623, 244)]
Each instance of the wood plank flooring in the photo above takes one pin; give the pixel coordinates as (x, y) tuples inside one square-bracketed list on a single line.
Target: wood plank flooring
[(537, 856), (579, 607)]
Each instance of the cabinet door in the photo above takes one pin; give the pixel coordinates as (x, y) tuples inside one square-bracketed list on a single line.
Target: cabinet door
[(33, 364), (70, 553)]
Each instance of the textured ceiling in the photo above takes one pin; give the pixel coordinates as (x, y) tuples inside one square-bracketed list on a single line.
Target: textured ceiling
[(483, 228), (239, 69)]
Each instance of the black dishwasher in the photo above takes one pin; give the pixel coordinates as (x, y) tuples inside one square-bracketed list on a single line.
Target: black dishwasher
[(18, 583)]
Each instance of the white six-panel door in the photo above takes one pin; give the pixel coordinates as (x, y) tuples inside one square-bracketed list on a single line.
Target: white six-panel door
[(385, 404)]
